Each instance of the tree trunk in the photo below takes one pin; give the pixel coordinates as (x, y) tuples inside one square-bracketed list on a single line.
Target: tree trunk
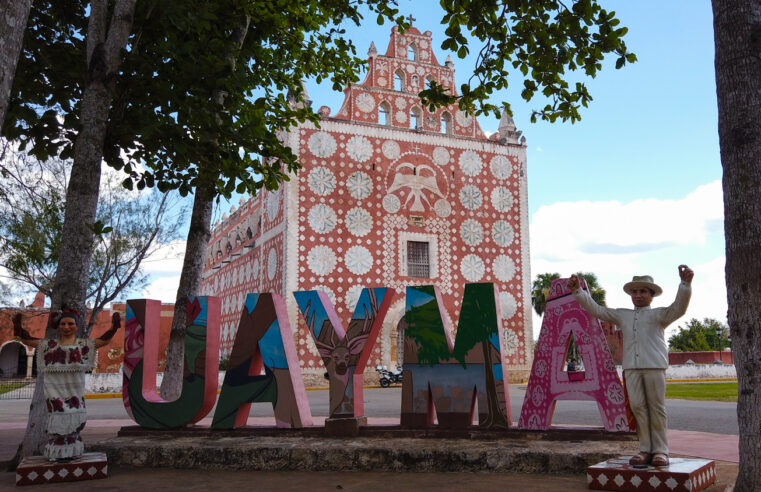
[(13, 16), (195, 249), (737, 33), (105, 42), (190, 283)]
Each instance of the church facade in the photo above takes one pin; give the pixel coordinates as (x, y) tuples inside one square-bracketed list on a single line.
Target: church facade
[(390, 194)]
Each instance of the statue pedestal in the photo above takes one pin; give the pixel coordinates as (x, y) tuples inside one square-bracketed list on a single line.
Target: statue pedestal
[(37, 469), (682, 474), (344, 426)]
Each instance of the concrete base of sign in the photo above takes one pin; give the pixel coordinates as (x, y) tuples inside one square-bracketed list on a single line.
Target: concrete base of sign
[(344, 426), (682, 474), (37, 469), (377, 450)]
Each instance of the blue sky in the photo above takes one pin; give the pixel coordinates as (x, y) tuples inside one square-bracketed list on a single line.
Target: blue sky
[(634, 187)]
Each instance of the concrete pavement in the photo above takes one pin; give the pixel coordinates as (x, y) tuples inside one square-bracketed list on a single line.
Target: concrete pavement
[(720, 447)]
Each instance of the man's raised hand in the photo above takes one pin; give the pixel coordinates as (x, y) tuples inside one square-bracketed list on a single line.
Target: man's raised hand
[(686, 273)]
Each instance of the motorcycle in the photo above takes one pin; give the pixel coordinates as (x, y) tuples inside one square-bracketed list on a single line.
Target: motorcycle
[(387, 378)]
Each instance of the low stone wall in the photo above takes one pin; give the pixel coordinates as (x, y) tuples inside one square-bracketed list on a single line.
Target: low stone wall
[(112, 382)]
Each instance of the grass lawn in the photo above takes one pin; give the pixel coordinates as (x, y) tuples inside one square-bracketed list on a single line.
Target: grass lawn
[(6, 387), (702, 391)]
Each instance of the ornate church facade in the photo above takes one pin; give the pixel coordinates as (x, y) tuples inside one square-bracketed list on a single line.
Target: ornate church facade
[(389, 194)]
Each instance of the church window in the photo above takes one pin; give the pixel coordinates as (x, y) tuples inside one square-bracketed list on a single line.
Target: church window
[(399, 80), (418, 259), (412, 52), (415, 119), (384, 112), (446, 123), (428, 81)]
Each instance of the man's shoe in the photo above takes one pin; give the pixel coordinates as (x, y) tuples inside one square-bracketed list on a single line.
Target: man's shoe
[(642, 458), (660, 459)]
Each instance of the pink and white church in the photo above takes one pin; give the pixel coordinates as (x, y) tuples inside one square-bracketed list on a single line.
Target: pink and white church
[(390, 194)]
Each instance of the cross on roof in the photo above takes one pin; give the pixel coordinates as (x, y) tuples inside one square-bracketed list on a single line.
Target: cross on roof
[(411, 19)]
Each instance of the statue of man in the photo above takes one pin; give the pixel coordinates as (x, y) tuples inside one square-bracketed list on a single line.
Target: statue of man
[(645, 355)]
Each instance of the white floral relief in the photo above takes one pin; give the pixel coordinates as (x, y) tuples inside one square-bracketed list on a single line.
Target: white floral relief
[(501, 199), (321, 180), (501, 167), (390, 149), (358, 221), (510, 345), (365, 102), (472, 268), (401, 116), (359, 148), (508, 305), (470, 163), (255, 268), (471, 232), (358, 260), (271, 263), (504, 268), (273, 204), (322, 144), (382, 81), (400, 102), (463, 118), (352, 296), (321, 260), (470, 197), (502, 233), (322, 218), (442, 208), (441, 156), (359, 185), (391, 204)]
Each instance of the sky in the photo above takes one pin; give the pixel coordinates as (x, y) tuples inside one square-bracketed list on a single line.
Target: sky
[(634, 188)]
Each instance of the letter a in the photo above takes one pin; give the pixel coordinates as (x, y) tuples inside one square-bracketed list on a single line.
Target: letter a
[(264, 339), (548, 383)]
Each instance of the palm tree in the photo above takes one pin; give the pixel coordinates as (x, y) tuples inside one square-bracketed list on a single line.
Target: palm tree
[(540, 289)]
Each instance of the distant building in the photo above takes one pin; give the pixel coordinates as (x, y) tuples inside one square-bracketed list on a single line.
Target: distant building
[(17, 360), (390, 194)]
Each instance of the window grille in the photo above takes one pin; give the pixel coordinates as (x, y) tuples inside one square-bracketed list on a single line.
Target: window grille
[(418, 263)]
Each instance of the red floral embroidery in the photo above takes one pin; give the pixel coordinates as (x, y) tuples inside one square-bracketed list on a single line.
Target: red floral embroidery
[(85, 350), (73, 402), (51, 343), (75, 355), (56, 404)]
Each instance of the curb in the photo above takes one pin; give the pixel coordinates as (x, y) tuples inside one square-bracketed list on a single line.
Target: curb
[(360, 454)]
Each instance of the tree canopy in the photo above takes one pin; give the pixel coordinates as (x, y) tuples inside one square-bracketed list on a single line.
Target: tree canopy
[(699, 336), (540, 289), (132, 226)]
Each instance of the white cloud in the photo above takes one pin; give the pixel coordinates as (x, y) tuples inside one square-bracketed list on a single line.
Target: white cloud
[(650, 236), (164, 267), (163, 289)]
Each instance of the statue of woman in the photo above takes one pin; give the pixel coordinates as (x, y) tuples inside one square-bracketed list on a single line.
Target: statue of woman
[(64, 360)]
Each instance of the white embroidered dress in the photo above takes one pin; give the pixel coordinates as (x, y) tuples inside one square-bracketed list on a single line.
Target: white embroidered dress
[(64, 367)]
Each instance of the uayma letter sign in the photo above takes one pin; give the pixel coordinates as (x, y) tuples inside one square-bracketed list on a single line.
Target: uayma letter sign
[(442, 379)]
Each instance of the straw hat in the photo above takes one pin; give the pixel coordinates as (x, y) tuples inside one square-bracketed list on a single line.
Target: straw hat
[(646, 281)]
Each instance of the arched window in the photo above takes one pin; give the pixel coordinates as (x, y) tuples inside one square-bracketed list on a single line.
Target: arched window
[(412, 51), (446, 123), (416, 122), (428, 81), (384, 113), (399, 80)]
